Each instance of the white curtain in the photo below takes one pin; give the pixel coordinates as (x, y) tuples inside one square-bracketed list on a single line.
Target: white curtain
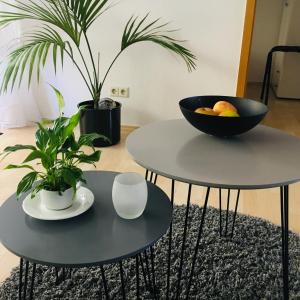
[(17, 108)]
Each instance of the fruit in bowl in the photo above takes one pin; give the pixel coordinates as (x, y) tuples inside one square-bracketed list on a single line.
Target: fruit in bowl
[(206, 111), (228, 113), (222, 106), (240, 116), (221, 109)]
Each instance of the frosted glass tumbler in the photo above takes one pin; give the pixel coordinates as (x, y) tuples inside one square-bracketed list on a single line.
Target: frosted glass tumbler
[(129, 195)]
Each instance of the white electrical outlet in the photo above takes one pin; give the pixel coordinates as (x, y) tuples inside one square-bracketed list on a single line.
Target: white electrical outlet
[(124, 92), (119, 92), (115, 91)]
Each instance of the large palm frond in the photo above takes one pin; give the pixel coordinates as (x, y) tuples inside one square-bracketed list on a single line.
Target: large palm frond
[(33, 54), (139, 31), (86, 11), (55, 12)]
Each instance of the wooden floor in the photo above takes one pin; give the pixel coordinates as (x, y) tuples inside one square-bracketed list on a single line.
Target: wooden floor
[(284, 114)]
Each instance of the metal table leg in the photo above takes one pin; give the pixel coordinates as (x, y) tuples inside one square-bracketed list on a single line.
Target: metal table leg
[(284, 204), (22, 291), (21, 278), (147, 284), (227, 213), (153, 271), (235, 212), (32, 281), (104, 283), (170, 242), (137, 277), (197, 243), (26, 279), (122, 281), (183, 242)]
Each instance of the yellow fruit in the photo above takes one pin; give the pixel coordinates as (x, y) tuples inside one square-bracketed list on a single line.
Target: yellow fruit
[(221, 106), (229, 113), (205, 111)]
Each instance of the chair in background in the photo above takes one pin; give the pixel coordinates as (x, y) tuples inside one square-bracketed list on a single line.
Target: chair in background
[(264, 96)]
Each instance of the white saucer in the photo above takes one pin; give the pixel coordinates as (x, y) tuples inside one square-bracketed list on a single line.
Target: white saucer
[(84, 199)]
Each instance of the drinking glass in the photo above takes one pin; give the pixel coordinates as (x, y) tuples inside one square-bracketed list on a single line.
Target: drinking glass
[(129, 195)]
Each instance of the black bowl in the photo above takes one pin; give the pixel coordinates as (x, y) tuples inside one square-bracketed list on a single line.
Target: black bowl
[(251, 113)]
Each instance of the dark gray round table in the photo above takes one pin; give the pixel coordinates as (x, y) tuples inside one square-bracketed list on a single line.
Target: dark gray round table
[(261, 158), (97, 237)]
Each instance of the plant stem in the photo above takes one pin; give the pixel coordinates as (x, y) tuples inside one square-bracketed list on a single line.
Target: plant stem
[(104, 78), (88, 73), (80, 71), (92, 58)]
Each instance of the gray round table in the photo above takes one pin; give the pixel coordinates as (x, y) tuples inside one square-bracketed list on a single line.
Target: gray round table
[(97, 237), (261, 158)]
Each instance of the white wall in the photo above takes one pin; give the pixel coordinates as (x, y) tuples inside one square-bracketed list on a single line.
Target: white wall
[(157, 79), (265, 36)]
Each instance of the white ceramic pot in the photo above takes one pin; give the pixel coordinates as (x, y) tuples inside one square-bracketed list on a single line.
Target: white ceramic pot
[(129, 195), (53, 200)]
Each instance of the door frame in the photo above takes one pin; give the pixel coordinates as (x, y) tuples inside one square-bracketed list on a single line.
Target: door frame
[(245, 48)]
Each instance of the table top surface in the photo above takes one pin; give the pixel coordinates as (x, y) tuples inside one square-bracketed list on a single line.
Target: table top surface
[(261, 158), (97, 237)]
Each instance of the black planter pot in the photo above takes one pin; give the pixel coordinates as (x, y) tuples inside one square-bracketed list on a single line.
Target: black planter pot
[(103, 121)]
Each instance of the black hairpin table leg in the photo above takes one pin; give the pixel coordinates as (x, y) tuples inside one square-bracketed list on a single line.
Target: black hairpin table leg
[(137, 277), (170, 242), (235, 212), (183, 242), (146, 174), (152, 256), (197, 243), (21, 278), (220, 211), (26, 279), (144, 273), (104, 281), (284, 204), (148, 270), (22, 291), (32, 281), (122, 281), (227, 213), (152, 178)]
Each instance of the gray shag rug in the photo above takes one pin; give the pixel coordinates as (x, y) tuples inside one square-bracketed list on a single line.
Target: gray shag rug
[(246, 267)]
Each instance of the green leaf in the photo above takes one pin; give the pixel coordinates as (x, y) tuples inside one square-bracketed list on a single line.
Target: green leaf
[(139, 31), (19, 167), (86, 12), (26, 183), (36, 189), (45, 159), (46, 122), (70, 142), (92, 158), (19, 147), (41, 137), (54, 56), (73, 122), (52, 12), (71, 176), (32, 53), (88, 138), (59, 98)]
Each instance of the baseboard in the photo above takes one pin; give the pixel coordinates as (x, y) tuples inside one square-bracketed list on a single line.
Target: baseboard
[(129, 127)]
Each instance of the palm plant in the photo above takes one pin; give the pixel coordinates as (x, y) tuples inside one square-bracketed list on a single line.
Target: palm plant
[(74, 18)]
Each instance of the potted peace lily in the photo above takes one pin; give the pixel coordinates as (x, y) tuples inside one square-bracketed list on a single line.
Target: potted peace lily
[(64, 30), (57, 154)]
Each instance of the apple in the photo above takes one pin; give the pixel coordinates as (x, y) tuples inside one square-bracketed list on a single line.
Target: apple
[(205, 111), (228, 113), (221, 106)]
